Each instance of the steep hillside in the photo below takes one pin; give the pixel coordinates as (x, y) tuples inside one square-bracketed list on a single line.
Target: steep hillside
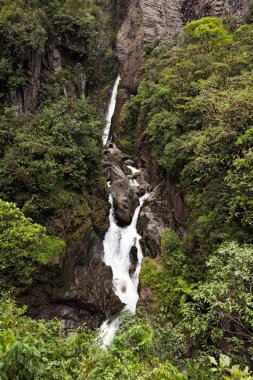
[(155, 284), (52, 49), (149, 22), (56, 69), (190, 127)]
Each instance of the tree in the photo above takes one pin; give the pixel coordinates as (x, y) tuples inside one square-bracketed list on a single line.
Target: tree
[(207, 33), (24, 246), (51, 159)]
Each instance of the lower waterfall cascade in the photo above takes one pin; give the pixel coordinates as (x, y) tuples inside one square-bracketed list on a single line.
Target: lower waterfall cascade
[(118, 243)]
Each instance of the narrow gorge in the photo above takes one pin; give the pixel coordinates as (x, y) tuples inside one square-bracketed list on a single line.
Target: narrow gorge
[(126, 248), (122, 250), (82, 289)]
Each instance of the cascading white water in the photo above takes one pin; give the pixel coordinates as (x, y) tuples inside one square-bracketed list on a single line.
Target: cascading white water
[(117, 243), (110, 111)]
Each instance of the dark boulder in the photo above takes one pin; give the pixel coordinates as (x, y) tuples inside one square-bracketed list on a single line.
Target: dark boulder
[(125, 201), (133, 255)]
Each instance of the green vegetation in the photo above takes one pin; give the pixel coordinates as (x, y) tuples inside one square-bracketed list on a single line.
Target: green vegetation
[(37, 350), (24, 246), (194, 107), (32, 350), (166, 274), (53, 55), (30, 29), (212, 315), (49, 161)]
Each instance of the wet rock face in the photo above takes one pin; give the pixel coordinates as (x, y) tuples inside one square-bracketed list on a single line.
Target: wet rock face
[(125, 201), (125, 197), (133, 254), (81, 292), (164, 208)]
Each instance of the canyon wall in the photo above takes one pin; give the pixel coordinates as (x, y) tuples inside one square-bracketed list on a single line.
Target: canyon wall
[(146, 22), (25, 97), (192, 9), (82, 288), (158, 21), (77, 287)]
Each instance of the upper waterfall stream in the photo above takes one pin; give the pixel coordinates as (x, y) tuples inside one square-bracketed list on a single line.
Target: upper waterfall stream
[(118, 243), (110, 111)]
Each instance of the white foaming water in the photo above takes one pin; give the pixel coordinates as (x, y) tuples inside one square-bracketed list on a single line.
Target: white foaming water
[(134, 182), (117, 245), (133, 169), (108, 330), (110, 111)]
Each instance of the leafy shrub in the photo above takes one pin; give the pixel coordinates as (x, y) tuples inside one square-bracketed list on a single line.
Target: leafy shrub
[(194, 109), (32, 349), (24, 246), (50, 157)]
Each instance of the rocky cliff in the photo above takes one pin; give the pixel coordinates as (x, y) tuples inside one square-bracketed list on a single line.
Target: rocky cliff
[(156, 22), (192, 9), (146, 22), (25, 96), (49, 50), (76, 288)]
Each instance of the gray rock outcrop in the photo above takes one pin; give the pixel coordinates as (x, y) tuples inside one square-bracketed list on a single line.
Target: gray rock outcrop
[(125, 201), (147, 21), (25, 97), (157, 22), (164, 208), (133, 255), (125, 197), (81, 289), (192, 9)]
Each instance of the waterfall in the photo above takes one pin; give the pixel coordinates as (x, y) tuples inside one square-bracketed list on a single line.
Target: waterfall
[(118, 243), (110, 111)]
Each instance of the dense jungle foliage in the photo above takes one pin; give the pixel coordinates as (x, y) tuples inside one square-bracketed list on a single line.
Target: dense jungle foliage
[(195, 109), (32, 350), (50, 159), (78, 29)]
